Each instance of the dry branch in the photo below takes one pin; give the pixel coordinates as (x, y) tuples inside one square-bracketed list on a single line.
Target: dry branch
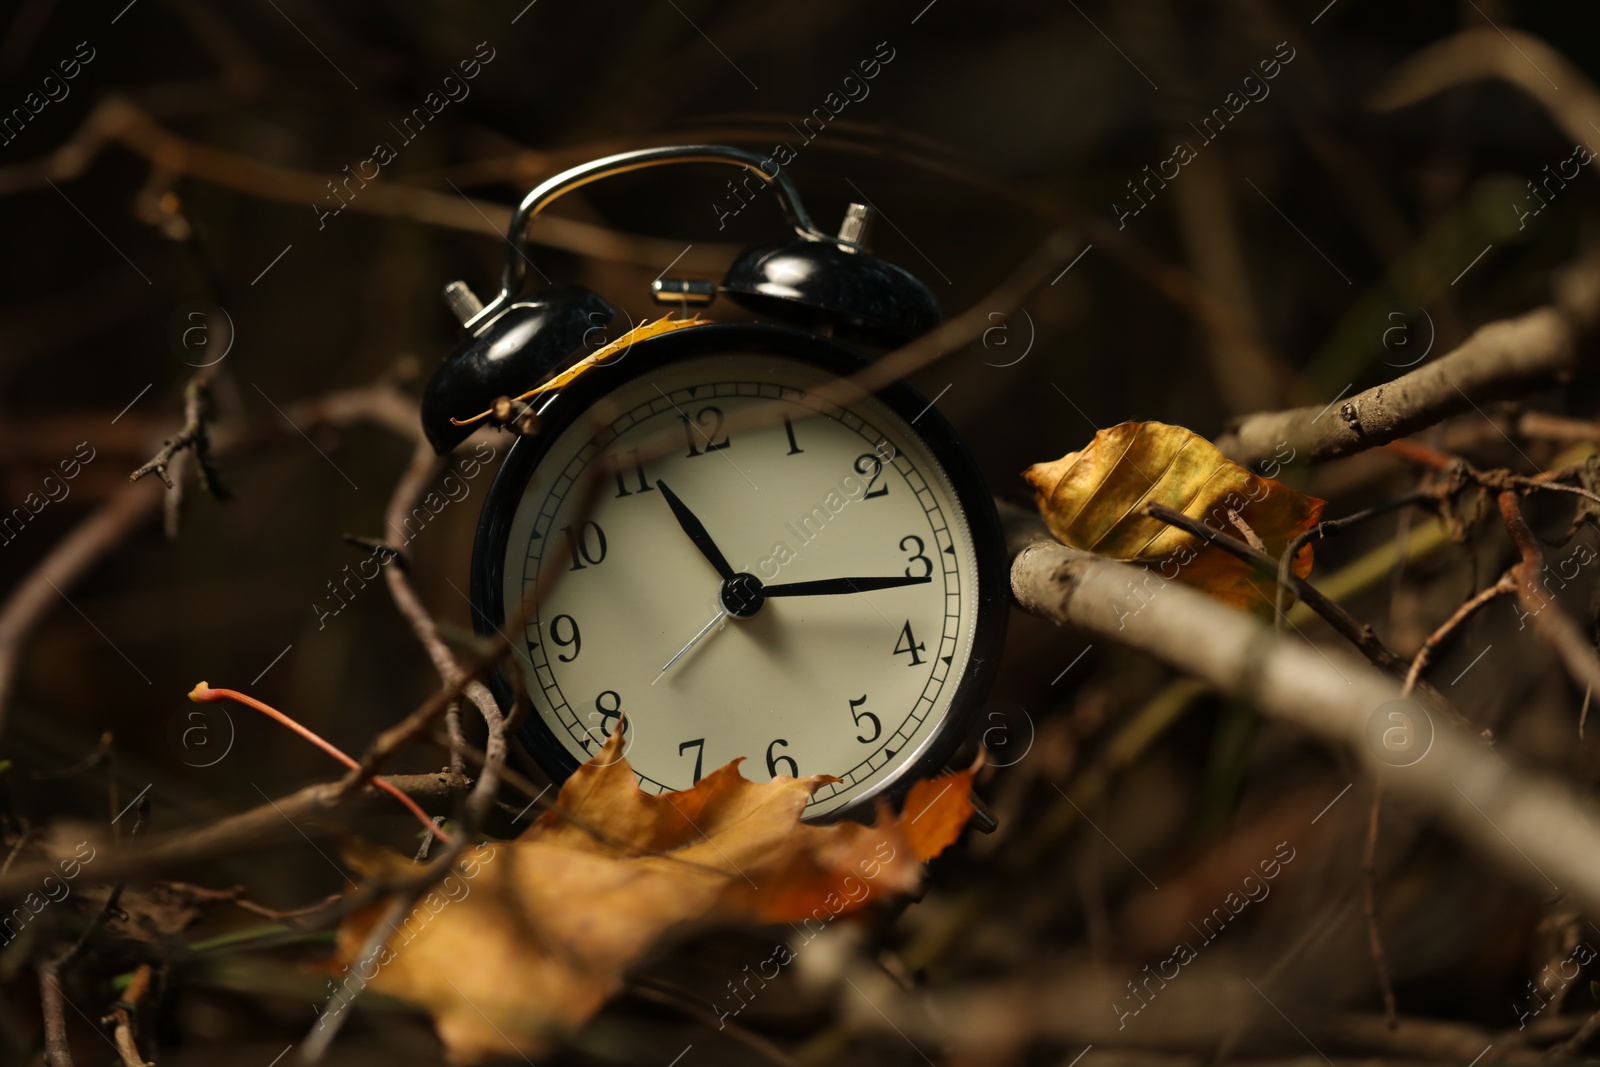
[(1499, 52), (124, 511), (1541, 833), (57, 1053), (117, 120), (1500, 360), (316, 810)]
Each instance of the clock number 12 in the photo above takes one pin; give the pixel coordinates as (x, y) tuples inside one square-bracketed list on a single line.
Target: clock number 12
[(691, 429)]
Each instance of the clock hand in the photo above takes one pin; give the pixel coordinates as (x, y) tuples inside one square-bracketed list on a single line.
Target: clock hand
[(697, 533), (723, 614), (831, 586)]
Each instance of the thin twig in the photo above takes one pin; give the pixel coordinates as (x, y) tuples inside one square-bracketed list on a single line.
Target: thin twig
[(109, 525), (1369, 904), (110, 910), (116, 119), (1555, 626), (313, 811), (424, 467), (1506, 584), (1333, 526), (1357, 632), (57, 1052), (204, 693), (122, 1014), (1574, 1044), (193, 435)]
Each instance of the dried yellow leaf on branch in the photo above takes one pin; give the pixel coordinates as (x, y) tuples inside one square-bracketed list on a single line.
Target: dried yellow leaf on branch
[(1095, 500), (608, 354), (528, 938)]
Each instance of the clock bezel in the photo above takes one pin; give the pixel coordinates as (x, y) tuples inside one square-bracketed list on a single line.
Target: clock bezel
[(991, 598)]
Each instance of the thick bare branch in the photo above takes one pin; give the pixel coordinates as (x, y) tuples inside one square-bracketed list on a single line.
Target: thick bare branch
[(1500, 360), (1540, 831)]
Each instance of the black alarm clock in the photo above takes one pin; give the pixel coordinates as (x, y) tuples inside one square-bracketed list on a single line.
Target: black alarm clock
[(820, 592)]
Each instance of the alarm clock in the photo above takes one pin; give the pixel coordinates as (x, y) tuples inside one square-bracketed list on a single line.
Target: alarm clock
[(820, 590)]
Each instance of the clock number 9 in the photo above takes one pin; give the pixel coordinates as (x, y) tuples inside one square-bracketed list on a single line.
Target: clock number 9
[(773, 761), (927, 564), (877, 727), (870, 467), (573, 640)]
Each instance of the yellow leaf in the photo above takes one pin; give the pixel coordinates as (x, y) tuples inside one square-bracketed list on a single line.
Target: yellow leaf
[(530, 937), (665, 324), (1095, 500)]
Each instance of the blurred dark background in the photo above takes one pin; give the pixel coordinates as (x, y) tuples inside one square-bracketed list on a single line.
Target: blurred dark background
[(185, 161)]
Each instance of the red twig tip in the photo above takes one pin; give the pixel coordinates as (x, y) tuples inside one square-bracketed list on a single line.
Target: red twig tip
[(204, 694)]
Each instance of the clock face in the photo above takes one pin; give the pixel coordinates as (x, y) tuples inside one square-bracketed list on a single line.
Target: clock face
[(855, 680)]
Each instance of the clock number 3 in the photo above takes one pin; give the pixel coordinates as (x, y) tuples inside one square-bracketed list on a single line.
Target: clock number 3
[(692, 430), (859, 716), (916, 557)]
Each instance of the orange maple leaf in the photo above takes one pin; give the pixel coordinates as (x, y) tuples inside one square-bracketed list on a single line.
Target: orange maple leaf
[(528, 938)]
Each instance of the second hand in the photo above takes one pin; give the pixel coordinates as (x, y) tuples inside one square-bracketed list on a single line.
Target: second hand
[(723, 614)]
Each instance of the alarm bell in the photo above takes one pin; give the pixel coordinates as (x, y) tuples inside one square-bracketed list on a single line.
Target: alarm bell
[(823, 282), (531, 340), (835, 285)]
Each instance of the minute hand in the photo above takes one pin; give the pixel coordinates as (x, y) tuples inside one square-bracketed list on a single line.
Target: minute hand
[(834, 586)]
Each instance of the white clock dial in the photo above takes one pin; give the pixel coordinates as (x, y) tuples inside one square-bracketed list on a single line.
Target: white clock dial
[(855, 685)]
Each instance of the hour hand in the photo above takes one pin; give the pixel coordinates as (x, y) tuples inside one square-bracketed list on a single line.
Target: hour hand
[(696, 531), (834, 586)]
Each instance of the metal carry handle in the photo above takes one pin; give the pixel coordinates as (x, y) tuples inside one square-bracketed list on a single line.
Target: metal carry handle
[(552, 189)]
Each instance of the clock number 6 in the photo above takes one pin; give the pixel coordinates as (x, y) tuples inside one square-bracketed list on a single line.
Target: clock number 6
[(877, 727), (927, 564), (773, 761)]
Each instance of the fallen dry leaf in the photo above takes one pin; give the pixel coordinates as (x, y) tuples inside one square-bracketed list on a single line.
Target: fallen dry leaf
[(530, 937), (1095, 500)]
